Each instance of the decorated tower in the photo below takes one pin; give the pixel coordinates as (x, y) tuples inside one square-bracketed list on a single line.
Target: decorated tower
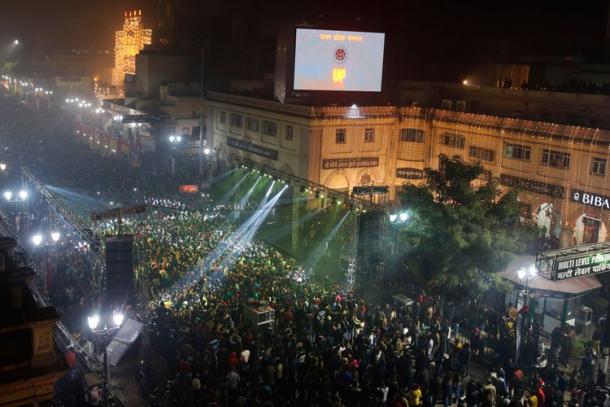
[(127, 44)]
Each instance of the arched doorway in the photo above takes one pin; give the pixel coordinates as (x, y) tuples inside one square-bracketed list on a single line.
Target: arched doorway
[(544, 218), (337, 181), (589, 230)]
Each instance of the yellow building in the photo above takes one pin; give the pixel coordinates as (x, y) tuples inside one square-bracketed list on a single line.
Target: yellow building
[(562, 170), (127, 43)]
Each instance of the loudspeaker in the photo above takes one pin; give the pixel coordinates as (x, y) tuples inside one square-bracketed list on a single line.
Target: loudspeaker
[(119, 269)]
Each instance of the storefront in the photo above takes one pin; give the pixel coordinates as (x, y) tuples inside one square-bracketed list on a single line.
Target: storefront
[(553, 303)]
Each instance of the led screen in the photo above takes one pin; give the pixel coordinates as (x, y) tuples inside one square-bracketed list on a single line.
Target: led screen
[(338, 60)]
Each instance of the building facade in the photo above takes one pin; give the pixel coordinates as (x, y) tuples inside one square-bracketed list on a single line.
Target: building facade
[(30, 361), (561, 170), (127, 43)]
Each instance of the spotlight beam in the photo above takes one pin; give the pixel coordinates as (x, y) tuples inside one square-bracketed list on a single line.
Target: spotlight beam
[(243, 234), (245, 199), (317, 254), (232, 191)]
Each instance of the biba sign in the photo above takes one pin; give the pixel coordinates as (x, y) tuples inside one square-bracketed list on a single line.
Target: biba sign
[(586, 198)]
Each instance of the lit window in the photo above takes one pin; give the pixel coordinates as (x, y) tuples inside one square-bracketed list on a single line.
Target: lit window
[(556, 159), (412, 135), (481, 153), (598, 166), (517, 152), (269, 128), (369, 135), (340, 136), (453, 140), (289, 133)]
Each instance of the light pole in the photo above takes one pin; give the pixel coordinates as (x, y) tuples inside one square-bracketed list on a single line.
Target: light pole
[(174, 142), (102, 337), (38, 239), (20, 197), (397, 220), (525, 275), (523, 321)]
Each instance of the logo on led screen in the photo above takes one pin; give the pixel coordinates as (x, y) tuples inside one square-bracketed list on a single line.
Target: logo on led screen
[(339, 75), (340, 55)]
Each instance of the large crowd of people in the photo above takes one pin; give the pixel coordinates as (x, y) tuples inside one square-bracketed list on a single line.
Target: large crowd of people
[(210, 336)]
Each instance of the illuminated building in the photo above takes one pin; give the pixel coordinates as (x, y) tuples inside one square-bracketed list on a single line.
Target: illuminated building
[(560, 169), (127, 44)]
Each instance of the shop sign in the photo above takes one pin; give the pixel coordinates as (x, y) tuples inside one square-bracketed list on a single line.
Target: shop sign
[(252, 148), (409, 173), (587, 198), (583, 265), (367, 190), (355, 162), (532, 186)]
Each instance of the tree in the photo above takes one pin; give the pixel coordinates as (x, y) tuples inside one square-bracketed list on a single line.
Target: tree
[(459, 233)]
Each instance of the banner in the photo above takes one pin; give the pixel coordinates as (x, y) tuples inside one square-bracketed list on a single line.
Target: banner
[(582, 265), (355, 162)]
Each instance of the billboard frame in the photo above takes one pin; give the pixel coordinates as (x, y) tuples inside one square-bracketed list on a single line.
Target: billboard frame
[(548, 262), (329, 91)]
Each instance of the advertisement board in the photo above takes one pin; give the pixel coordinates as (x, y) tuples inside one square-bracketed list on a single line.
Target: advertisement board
[(328, 60)]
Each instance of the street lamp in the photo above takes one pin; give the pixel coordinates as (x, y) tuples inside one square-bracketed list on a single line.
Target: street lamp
[(117, 318), (102, 336), (206, 151), (8, 195), (55, 236), (93, 321), (23, 194), (37, 239), (525, 275), (16, 42)]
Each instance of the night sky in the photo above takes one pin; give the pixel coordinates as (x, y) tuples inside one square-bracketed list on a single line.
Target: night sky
[(423, 36), (64, 23)]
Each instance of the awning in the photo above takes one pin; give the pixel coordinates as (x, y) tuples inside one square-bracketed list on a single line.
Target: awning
[(572, 286)]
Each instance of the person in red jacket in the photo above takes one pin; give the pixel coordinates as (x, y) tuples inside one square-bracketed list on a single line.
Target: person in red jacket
[(540, 393), (233, 360)]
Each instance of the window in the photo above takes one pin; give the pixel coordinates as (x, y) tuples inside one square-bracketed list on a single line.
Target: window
[(517, 151), (289, 132), (598, 166), (413, 135), (453, 140), (481, 153), (252, 124), (369, 135), (223, 118), (340, 136), (235, 120), (556, 159), (269, 128), (195, 130)]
